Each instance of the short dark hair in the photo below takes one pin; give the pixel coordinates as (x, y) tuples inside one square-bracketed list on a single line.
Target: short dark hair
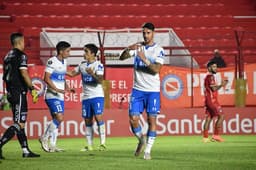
[(92, 47), (62, 45), (14, 36), (210, 63), (149, 25)]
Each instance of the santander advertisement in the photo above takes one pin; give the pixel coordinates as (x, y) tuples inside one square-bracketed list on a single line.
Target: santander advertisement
[(180, 90)]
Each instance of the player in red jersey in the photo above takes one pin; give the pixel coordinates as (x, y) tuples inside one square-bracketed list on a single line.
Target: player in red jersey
[(212, 106)]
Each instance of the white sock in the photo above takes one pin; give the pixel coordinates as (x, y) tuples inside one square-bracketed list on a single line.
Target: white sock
[(50, 128), (25, 150), (150, 143), (102, 133), (53, 138), (89, 135)]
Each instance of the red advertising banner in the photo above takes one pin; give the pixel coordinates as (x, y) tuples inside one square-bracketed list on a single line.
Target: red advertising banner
[(182, 89), (179, 88), (169, 122)]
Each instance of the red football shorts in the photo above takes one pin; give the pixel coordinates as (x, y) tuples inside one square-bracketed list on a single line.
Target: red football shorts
[(213, 109)]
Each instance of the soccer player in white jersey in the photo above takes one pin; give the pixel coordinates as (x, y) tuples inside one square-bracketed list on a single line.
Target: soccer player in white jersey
[(54, 77), (148, 59), (92, 72)]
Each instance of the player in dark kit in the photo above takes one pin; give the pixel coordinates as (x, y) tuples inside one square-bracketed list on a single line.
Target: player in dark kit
[(212, 106), (18, 83)]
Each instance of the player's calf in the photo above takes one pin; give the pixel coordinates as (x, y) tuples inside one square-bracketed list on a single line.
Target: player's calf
[(44, 144), (140, 146)]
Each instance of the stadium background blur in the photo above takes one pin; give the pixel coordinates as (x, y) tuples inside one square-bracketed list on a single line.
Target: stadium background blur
[(201, 25)]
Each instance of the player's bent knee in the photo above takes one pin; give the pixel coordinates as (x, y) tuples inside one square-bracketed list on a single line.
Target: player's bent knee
[(21, 125)]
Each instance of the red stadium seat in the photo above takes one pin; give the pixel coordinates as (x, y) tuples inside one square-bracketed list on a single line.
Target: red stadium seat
[(201, 26)]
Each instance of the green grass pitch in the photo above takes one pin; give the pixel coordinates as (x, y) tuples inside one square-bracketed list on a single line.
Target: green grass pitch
[(169, 152)]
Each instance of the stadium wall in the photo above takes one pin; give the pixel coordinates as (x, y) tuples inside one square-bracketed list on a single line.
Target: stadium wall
[(179, 88), (170, 122)]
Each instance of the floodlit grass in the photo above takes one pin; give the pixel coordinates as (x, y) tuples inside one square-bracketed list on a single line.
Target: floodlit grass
[(172, 152)]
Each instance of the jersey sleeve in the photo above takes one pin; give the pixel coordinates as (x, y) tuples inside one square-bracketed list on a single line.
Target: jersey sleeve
[(23, 62), (49, 66), (160, 56), (100, 69)]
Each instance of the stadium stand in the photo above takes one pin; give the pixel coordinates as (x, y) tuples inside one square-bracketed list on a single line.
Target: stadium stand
[(202, 26)]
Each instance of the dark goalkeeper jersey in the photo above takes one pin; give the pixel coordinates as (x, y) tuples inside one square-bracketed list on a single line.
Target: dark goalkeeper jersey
[(13, 62)]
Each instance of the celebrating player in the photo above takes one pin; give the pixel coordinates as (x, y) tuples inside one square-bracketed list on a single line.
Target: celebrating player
[(149, 57), (212, 106), (18, 82), (92, 72), (55, 72)]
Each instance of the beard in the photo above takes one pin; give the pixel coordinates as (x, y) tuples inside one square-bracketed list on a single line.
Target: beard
[(213, 72)]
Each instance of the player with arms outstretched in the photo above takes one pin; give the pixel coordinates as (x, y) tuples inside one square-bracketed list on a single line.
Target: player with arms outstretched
[(92, 72), (148, 59), (212, 106), (54, 77)]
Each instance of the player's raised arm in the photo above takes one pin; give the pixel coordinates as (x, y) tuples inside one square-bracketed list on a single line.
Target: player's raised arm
[(126, 52)]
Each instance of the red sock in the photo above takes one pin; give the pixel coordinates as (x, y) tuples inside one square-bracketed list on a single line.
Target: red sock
[(205, 133), (216, 130)]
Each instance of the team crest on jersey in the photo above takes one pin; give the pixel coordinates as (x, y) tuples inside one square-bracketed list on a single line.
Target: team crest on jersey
[(49, 62)]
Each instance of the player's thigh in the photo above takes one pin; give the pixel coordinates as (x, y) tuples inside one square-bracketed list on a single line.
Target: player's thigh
[(87, 112), (55, 106), (153, 103), (97, 106), (137, 103), (19, 104), (211, 109)]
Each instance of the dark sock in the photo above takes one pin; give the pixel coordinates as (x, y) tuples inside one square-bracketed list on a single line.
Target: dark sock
[(21, 135), (9, 133)]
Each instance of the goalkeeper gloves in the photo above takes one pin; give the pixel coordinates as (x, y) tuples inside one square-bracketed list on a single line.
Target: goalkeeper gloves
[(34, 95)]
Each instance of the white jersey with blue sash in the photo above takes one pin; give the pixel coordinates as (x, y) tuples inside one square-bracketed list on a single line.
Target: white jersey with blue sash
[(57, 69), (143, 80), (91, 88)]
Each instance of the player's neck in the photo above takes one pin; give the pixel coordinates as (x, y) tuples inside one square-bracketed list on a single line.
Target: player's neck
[(18, 47), (91, 60), (60, 58), (148, 43)]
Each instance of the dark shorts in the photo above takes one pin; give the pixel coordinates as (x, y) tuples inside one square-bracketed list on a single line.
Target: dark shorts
[(18, 101)]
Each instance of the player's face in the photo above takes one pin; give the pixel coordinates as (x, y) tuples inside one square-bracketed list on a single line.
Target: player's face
[(148, 35), (21, 43), (65, 53), (88, 55), (213, 69)]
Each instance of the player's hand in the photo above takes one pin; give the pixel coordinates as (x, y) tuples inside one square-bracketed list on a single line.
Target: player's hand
[(72, 90), (125, 55), (135, 46), (224, 82), (89, 71), (34, 95)]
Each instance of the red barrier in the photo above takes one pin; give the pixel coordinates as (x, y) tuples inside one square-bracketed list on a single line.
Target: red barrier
[(176, 87), (169, 122)]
